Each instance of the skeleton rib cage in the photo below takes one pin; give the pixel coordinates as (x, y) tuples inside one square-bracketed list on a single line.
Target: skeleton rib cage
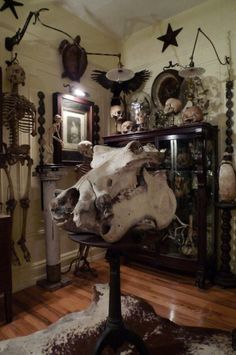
[(19, 115)]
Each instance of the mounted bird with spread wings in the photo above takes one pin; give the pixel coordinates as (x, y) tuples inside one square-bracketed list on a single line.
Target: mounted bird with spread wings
[(118, 109), (118, 87)]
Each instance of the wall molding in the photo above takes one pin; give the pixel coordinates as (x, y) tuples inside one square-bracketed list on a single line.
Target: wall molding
[(28, 275)]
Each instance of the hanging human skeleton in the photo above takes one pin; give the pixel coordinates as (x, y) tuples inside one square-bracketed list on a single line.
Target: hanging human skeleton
[(19, 116)]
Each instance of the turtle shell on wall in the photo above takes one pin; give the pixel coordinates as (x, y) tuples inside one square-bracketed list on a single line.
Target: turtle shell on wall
[(74, 59)]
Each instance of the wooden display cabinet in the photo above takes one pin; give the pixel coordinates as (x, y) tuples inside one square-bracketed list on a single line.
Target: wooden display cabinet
[(188, 244)]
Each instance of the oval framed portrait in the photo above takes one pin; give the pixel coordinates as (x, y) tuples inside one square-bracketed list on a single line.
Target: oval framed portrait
[(167, 84)]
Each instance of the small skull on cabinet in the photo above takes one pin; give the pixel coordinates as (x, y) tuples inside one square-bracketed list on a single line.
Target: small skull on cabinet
[(117, 113), (192, 114), (127, 127), (172, 105)]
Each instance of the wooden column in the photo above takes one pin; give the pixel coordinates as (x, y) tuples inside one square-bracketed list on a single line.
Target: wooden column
[(225, 277)]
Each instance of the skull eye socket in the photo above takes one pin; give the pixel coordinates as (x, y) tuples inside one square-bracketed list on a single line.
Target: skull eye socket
[(109, 182)]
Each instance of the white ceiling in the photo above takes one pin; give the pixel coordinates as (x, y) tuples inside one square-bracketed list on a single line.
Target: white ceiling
[(120, 18)]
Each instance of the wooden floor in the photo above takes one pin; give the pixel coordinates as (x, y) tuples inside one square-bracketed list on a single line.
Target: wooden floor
[(173, 296)]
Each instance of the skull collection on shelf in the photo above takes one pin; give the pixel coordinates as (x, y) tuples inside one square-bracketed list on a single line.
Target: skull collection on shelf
[(121, 191)]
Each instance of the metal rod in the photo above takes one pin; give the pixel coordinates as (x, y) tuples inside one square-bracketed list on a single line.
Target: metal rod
[(10, 42), (227, 59), (108, 54)]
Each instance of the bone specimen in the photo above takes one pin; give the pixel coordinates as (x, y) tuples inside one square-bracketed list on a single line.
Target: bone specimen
[(123, 190), (19, 115)]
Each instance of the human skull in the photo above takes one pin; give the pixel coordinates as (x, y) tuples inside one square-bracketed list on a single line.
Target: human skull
[(127, 127), (117, 113), (103, 203), (15, 74), (192, 114), (172, 105), (86, 149)]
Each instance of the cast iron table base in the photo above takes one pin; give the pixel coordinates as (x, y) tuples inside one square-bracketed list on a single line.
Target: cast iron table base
[(82, 266), (115, 334)]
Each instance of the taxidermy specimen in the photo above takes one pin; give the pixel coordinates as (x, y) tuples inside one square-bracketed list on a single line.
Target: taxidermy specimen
[(117, 87)]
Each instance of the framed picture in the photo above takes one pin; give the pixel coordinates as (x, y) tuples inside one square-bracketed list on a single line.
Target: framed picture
[(77, 116), (74, 129), (167, 84)]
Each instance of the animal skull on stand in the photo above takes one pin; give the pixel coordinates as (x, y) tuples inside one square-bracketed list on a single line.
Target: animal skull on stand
[(120, 192)]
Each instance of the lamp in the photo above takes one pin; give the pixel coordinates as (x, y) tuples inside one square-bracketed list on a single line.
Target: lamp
[(192, 71), (76, 90), (118, 74)]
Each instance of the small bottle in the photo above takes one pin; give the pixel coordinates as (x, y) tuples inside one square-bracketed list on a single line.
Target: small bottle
[(227, 179)]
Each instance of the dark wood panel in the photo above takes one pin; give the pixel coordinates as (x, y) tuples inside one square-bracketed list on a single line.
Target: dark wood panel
[(5, 263)]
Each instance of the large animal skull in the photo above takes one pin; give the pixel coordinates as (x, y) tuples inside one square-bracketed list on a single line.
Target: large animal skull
[(120, 192)]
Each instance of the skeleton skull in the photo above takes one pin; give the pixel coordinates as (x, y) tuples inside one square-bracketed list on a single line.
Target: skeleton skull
[(15, 74), (117, 113), (127, 127), (192, 114), (117, 194), (172, 105), (86, 149)]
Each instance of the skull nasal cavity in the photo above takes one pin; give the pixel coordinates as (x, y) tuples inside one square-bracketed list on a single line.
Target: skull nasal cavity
[(73, 196)]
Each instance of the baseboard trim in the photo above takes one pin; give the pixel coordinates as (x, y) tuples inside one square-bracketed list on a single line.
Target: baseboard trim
[(28, 275)]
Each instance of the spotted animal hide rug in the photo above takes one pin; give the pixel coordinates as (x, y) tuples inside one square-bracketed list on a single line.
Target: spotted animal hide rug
[(77, 333)]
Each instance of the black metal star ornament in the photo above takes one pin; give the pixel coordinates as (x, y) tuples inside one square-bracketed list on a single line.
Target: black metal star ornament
[(11, 5), (170, 37)]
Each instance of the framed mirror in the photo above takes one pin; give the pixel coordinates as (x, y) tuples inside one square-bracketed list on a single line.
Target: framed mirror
[(77, 124)]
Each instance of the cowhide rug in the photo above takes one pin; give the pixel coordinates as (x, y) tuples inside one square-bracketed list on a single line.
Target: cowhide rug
[(76, 333)]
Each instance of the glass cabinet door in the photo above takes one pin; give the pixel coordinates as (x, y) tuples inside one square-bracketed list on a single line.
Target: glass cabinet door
[(180, 239)]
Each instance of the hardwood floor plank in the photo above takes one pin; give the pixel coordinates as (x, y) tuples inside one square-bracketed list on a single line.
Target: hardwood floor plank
[(172, 296)]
